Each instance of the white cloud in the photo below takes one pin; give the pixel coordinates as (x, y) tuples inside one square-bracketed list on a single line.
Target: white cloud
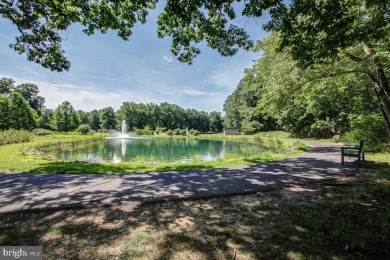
[(168, 59), (193, 92), (84, 99)]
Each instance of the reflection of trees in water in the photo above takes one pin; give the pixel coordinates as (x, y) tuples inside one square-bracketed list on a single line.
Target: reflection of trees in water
[(159, 149)]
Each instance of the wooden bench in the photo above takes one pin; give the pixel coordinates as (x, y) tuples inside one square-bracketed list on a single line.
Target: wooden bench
[(353, 151)]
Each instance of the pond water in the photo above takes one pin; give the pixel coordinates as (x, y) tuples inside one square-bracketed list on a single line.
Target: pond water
[(156, 149)]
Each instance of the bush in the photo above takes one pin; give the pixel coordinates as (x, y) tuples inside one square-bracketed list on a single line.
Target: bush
[(15, 136), (138, 131), (84, 129), (183, 132), (194, 132), (41, 132), (169, 132), (161, 129), (321, 129), (176, 131), (147, 130), (370, 128)]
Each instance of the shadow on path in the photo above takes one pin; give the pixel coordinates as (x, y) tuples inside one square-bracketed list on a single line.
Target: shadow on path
[(48, 191)]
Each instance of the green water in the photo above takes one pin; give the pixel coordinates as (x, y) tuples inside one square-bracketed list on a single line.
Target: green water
[(157, 149)]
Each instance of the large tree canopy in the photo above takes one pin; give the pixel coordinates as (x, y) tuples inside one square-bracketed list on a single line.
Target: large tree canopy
[(40, 21), (312, 32), (315, 29)]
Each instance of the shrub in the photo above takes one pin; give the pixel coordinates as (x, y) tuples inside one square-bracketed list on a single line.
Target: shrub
[(169, 132), (138, 131), (321, 129), (15, 136), (147, 130), (176, 131), (370, 128), (161, 129), (182, 132), (84, 129), (41, 132), (194, 132)]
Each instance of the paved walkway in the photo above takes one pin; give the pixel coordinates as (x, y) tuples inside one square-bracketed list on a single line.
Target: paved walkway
[(50, 191)]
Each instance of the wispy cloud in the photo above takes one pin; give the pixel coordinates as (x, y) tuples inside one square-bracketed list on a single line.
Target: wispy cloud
[(193, 92), (168, 59), (54, 85), (106, 78)]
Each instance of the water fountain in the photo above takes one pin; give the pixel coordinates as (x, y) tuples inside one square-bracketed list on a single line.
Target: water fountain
[(123, 134)]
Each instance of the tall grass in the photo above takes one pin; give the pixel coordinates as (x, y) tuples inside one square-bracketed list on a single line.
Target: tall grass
[(15, 136), (58, 144)]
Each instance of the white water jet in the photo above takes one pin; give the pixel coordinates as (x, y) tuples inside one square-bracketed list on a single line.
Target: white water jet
[(123, 134)]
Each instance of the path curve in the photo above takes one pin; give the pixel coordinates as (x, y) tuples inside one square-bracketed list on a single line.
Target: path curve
[(55, 191)]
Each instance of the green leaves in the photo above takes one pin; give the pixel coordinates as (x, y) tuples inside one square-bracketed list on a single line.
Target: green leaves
[(39, 23), (190, 22)]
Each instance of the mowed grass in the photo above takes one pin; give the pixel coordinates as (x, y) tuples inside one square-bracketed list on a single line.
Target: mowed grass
[(27, 157), (347, 218)]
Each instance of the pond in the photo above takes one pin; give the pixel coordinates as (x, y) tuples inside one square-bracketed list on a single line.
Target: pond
[(157, 149)]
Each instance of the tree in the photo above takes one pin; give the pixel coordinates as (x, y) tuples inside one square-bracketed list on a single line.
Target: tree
[(7, 85), (39, 23), (216, 125), (83, 117), (65, 117), (94, 120), (107, 118), (323, 32), (47, 119), (309, 108), (30, 93), (22, 116), (4, 112)]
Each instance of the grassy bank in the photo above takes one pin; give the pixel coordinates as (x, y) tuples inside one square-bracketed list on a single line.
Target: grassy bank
[(344, 219), (33, 156)]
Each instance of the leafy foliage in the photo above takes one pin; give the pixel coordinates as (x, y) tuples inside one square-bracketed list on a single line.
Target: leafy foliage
[(84, 129), (318, 101), (39, 23), (15, 136), (22, 116), (65, 117)]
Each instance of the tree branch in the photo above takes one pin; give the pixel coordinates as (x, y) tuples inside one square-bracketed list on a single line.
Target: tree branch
[(330, 75)]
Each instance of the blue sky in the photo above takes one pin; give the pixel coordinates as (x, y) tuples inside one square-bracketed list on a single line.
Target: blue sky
[(106, 71)]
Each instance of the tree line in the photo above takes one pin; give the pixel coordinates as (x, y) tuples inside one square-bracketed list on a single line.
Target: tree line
[(319, 101), (21, 107)]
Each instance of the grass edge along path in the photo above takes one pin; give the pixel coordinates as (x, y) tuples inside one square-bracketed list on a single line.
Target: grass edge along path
[(27, 158)]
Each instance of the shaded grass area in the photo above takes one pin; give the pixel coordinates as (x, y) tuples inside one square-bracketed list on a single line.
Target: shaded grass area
[(344, 219)]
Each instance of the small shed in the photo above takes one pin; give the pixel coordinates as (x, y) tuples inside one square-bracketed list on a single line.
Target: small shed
[(231, 131)]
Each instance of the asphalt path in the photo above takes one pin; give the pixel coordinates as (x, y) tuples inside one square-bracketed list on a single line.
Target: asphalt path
[(19, 192)]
